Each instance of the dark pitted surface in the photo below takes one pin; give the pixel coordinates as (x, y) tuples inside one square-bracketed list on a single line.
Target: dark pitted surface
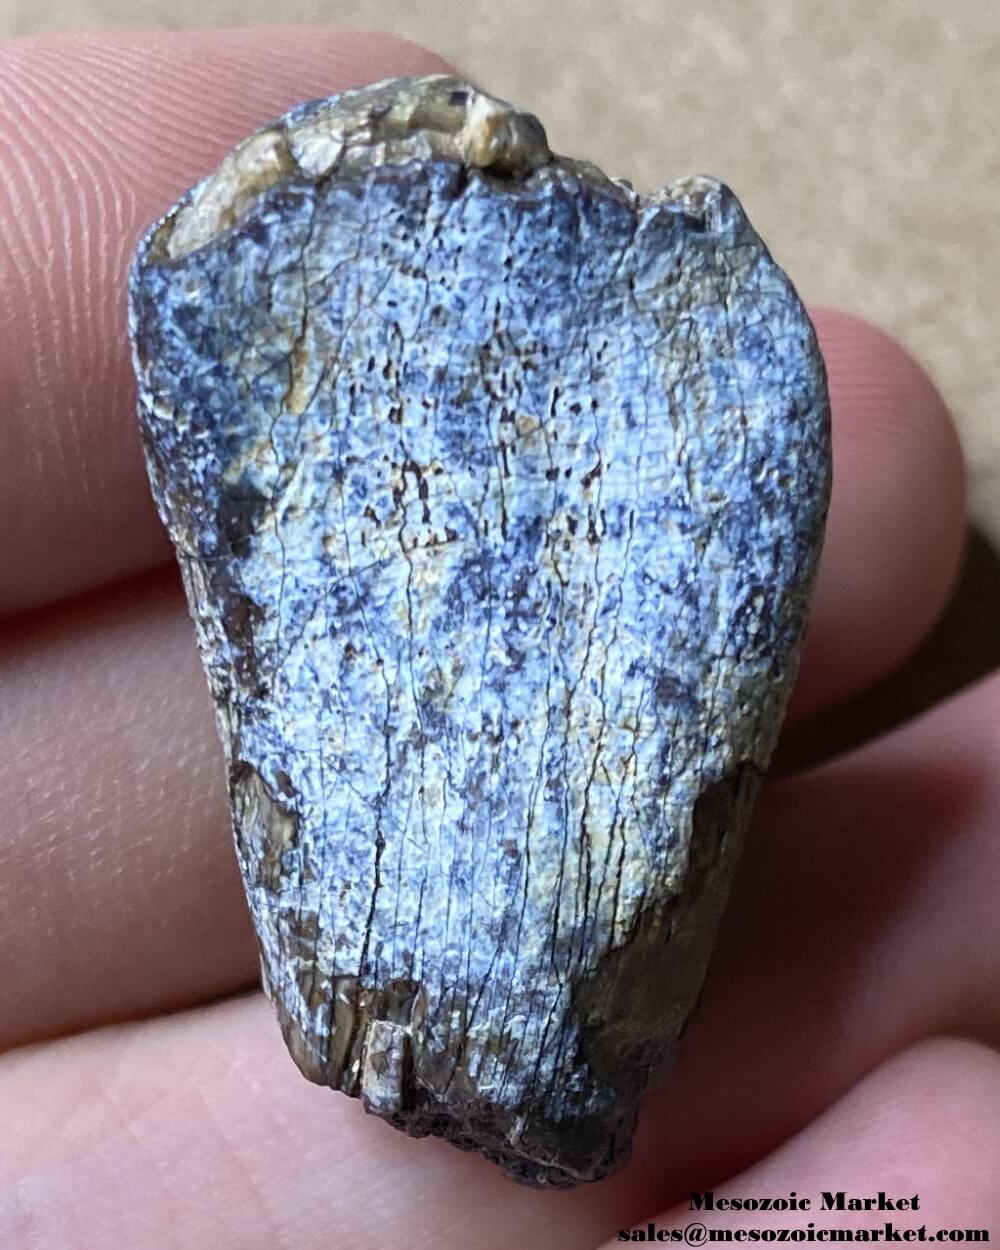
[(498, 492)]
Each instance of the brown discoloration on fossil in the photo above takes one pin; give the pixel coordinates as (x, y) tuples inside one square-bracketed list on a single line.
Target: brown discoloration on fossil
[(268, 829), (258, 163)]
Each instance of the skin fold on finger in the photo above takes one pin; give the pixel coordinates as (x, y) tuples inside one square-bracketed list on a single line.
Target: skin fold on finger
[(926, 1125), (99, 134)]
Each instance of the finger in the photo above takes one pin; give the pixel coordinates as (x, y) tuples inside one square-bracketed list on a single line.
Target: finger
[(100, 133), (119, 891), (897, 515), (961, 648), (925, 1126), (201, 1122)]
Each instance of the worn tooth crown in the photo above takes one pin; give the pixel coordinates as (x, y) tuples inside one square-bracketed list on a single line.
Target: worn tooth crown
[(498, 491)]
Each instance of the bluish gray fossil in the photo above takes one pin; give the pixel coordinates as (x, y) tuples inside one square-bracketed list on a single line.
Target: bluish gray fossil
[(498, 491)]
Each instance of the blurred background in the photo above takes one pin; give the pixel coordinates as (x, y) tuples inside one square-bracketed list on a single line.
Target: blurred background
[(862, 138)]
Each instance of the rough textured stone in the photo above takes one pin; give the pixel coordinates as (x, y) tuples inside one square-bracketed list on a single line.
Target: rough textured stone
[(497, 490)]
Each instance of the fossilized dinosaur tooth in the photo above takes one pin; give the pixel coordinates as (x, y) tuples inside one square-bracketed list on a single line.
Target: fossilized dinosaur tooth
[(498, 491)]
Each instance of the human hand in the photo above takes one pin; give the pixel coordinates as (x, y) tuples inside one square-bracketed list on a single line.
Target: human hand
[(863, 921)]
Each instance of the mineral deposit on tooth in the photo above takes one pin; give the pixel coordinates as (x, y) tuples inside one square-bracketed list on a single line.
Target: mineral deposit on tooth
[(498, 491)]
